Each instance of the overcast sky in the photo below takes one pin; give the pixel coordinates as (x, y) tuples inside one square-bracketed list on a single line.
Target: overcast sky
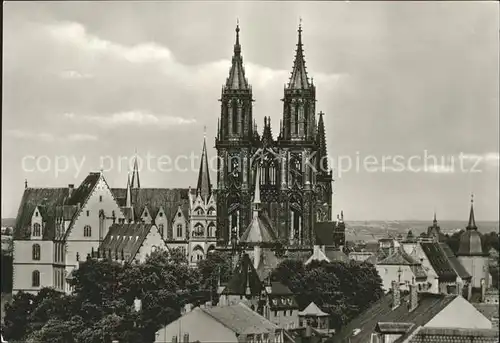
[(91, 79)]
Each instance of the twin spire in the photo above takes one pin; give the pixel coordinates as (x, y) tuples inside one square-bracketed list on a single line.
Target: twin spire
[(236, 79), (298, 79)]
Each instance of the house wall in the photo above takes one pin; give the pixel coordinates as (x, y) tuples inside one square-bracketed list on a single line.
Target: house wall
[(288, 319), (200, 327), (75, 241), (477, 267), (152, 241), (460, 314), (415, 250), (24, 265), (389, 273)]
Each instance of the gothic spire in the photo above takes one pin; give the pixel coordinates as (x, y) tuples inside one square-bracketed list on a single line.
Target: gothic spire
[(236, 79), (256, 196), (321, 138), (204, 188), (298, 79), (129, 192), (472, 220), (136, 184), (267, 136), (434, 221)]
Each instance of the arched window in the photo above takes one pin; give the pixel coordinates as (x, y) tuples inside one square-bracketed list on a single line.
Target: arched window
[(199, 211), (35, 278), (36, 252), (87, 231), (179, 230), (211, 211), (211, 230), (198, 230), (37, 230), (296, 109), (160, 228)]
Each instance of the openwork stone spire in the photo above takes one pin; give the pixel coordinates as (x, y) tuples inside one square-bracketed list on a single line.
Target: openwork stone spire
[(298, 79), (236, 79), (204, 187)]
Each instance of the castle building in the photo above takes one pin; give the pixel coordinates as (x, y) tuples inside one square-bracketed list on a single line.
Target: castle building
[(296, 182)]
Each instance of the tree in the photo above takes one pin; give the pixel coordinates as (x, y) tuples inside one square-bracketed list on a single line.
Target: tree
[(341, 289), (17, 314)]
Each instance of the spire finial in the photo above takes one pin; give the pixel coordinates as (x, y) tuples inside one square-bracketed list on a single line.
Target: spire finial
[(205, 132), (472, 220), (25, 183), (434, 220), (472, 198)]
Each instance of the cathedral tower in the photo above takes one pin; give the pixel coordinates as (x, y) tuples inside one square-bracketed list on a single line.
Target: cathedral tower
[(234, 142)]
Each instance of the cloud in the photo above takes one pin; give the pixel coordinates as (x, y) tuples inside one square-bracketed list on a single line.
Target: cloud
[(49, 137), (139, 118), (74, 74)]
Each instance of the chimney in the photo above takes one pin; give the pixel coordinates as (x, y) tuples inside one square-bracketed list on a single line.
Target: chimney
[(308, 331), (413, 297), (71, 188), (256, 256), (396, 295), (187, 308), (186, 338)]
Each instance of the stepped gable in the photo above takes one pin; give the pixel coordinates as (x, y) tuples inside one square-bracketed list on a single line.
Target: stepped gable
[(47, 200)]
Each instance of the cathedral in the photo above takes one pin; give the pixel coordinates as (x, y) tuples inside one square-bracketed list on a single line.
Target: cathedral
[(295, 182)]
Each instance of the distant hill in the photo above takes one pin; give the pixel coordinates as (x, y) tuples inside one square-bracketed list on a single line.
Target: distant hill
[(373, 230), (8, 221)]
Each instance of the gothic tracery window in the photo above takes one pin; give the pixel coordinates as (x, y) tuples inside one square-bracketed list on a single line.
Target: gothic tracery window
[(37, 232), (35, 278), (36, 252)]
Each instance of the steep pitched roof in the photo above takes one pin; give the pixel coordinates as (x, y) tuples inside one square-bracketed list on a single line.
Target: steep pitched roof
[(241, 319), (336, 255), (399, 257), (126, 238), (47, 199), (439, 261), (155, 198), (455, 263), (244, 275), (80, 195), (453, 335), (313, 310), (381, 311), (258, 231)]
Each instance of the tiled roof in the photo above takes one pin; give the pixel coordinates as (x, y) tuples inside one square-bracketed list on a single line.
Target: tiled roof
[(439, 261), (47, 200), (451, 335), (125, 237), (470, 244), (155, 198), (80, 195), (399, 257), (455, 263), (313, 310), (258, 231), (488, 310), (241, 319), (268, 262), (243, 275), (277, 288), (381, 311)]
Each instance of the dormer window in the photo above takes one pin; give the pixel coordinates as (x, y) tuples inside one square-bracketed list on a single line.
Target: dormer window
[(37, 230)]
